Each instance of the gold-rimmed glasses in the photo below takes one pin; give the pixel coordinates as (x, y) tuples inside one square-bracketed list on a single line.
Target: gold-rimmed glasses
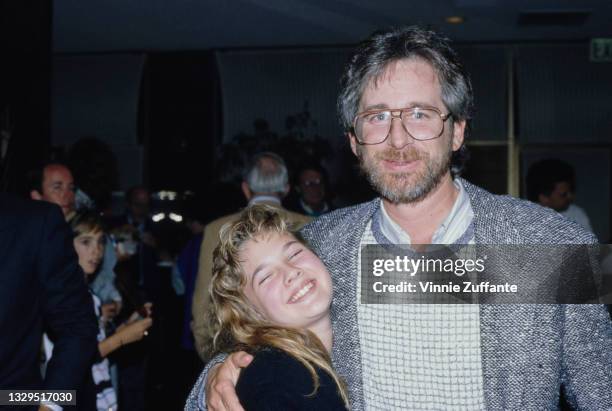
[(374, 126)]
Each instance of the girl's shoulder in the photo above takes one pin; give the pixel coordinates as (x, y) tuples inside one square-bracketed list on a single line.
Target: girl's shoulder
[(274, 365), (276, 380)]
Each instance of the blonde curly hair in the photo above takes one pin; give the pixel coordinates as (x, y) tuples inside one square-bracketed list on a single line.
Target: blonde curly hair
[(236, 324)]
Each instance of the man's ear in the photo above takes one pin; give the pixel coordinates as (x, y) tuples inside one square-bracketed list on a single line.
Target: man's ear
[(458, 134), (246, 190), (286, 191), (353, 141), (35, 195)]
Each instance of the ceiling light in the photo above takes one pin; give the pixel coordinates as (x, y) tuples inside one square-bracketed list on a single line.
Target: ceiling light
[(455, 19), (158, 217), (176, 217)]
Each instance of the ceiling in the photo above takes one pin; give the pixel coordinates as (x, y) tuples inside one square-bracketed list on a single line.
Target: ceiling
[(137, 25)]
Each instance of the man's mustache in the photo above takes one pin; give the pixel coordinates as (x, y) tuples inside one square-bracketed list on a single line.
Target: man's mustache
[(404, 155)]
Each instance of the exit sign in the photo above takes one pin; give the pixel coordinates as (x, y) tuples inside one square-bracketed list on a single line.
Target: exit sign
[(601, 49)]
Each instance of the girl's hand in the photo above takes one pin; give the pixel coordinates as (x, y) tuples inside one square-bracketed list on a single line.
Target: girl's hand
[(134, 331), (109, 311), (143, 312)]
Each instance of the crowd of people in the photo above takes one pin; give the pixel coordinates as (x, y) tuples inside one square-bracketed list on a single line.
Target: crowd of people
[(141, 279), (267, 302)]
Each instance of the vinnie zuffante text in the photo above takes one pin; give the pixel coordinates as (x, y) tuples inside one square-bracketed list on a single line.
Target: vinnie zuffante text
[(431, 266)]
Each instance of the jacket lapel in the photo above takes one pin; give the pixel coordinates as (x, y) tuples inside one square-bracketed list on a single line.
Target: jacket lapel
[(7, 219), (340, 253), (504, 328)]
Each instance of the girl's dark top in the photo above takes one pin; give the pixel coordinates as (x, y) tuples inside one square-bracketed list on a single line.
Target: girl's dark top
[(276, 381)]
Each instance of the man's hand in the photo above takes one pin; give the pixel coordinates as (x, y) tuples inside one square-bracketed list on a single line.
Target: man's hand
[(221, 383)]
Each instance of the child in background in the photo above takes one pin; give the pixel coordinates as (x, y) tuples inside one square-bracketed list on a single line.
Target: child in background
[(89, 241)]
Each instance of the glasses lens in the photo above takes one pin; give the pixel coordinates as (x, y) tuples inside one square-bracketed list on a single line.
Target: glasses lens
[(373, 127), (422, 123)]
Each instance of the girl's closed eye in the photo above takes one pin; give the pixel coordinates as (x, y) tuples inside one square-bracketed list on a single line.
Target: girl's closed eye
[(264, 278), (296, 253)]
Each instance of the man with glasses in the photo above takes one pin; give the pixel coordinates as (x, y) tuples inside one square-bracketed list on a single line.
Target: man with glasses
[(311, 189), (405, 103)]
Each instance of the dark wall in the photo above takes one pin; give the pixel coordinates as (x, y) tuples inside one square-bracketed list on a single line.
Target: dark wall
[(25, 47), (179, 119)]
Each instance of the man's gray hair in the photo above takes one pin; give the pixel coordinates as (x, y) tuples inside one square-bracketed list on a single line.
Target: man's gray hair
[(267, 173), (373, 56)]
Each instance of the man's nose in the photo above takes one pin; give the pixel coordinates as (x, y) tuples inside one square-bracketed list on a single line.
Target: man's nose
[(67, 193), (398, 135)]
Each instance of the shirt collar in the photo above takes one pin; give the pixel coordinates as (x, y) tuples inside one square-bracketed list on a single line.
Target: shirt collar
[(453, 226), (264, 199), (309, 211)]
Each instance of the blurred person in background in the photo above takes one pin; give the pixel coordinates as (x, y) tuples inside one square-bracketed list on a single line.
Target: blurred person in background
[(54, 183), (138, 283), (94, 167), (137, 214), (552, 183), (312, 191), (42, 289), (88, 242)]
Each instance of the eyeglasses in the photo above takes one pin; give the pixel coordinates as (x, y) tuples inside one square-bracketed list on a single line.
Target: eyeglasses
[(374, 126), (314, 182)]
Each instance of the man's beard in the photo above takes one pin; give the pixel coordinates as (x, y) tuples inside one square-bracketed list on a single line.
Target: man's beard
[(404, 188)]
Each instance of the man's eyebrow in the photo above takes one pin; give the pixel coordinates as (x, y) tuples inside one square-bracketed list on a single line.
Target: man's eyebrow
[(413, 104), (380, 106)]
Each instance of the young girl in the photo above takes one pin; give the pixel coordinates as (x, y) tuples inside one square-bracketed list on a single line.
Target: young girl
[(89, 244), (271, 297)]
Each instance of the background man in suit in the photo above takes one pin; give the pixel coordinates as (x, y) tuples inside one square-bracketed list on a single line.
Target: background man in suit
[(42, 287), (405, 103), (266, 181), (54, 183)]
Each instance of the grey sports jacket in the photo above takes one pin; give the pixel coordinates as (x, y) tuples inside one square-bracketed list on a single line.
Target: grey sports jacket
[(528, 351)]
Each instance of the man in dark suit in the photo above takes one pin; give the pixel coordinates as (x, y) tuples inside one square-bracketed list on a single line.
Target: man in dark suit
[(42, 288)]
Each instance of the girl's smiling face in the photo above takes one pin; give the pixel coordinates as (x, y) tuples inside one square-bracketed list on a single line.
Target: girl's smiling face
[(286, 281)]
